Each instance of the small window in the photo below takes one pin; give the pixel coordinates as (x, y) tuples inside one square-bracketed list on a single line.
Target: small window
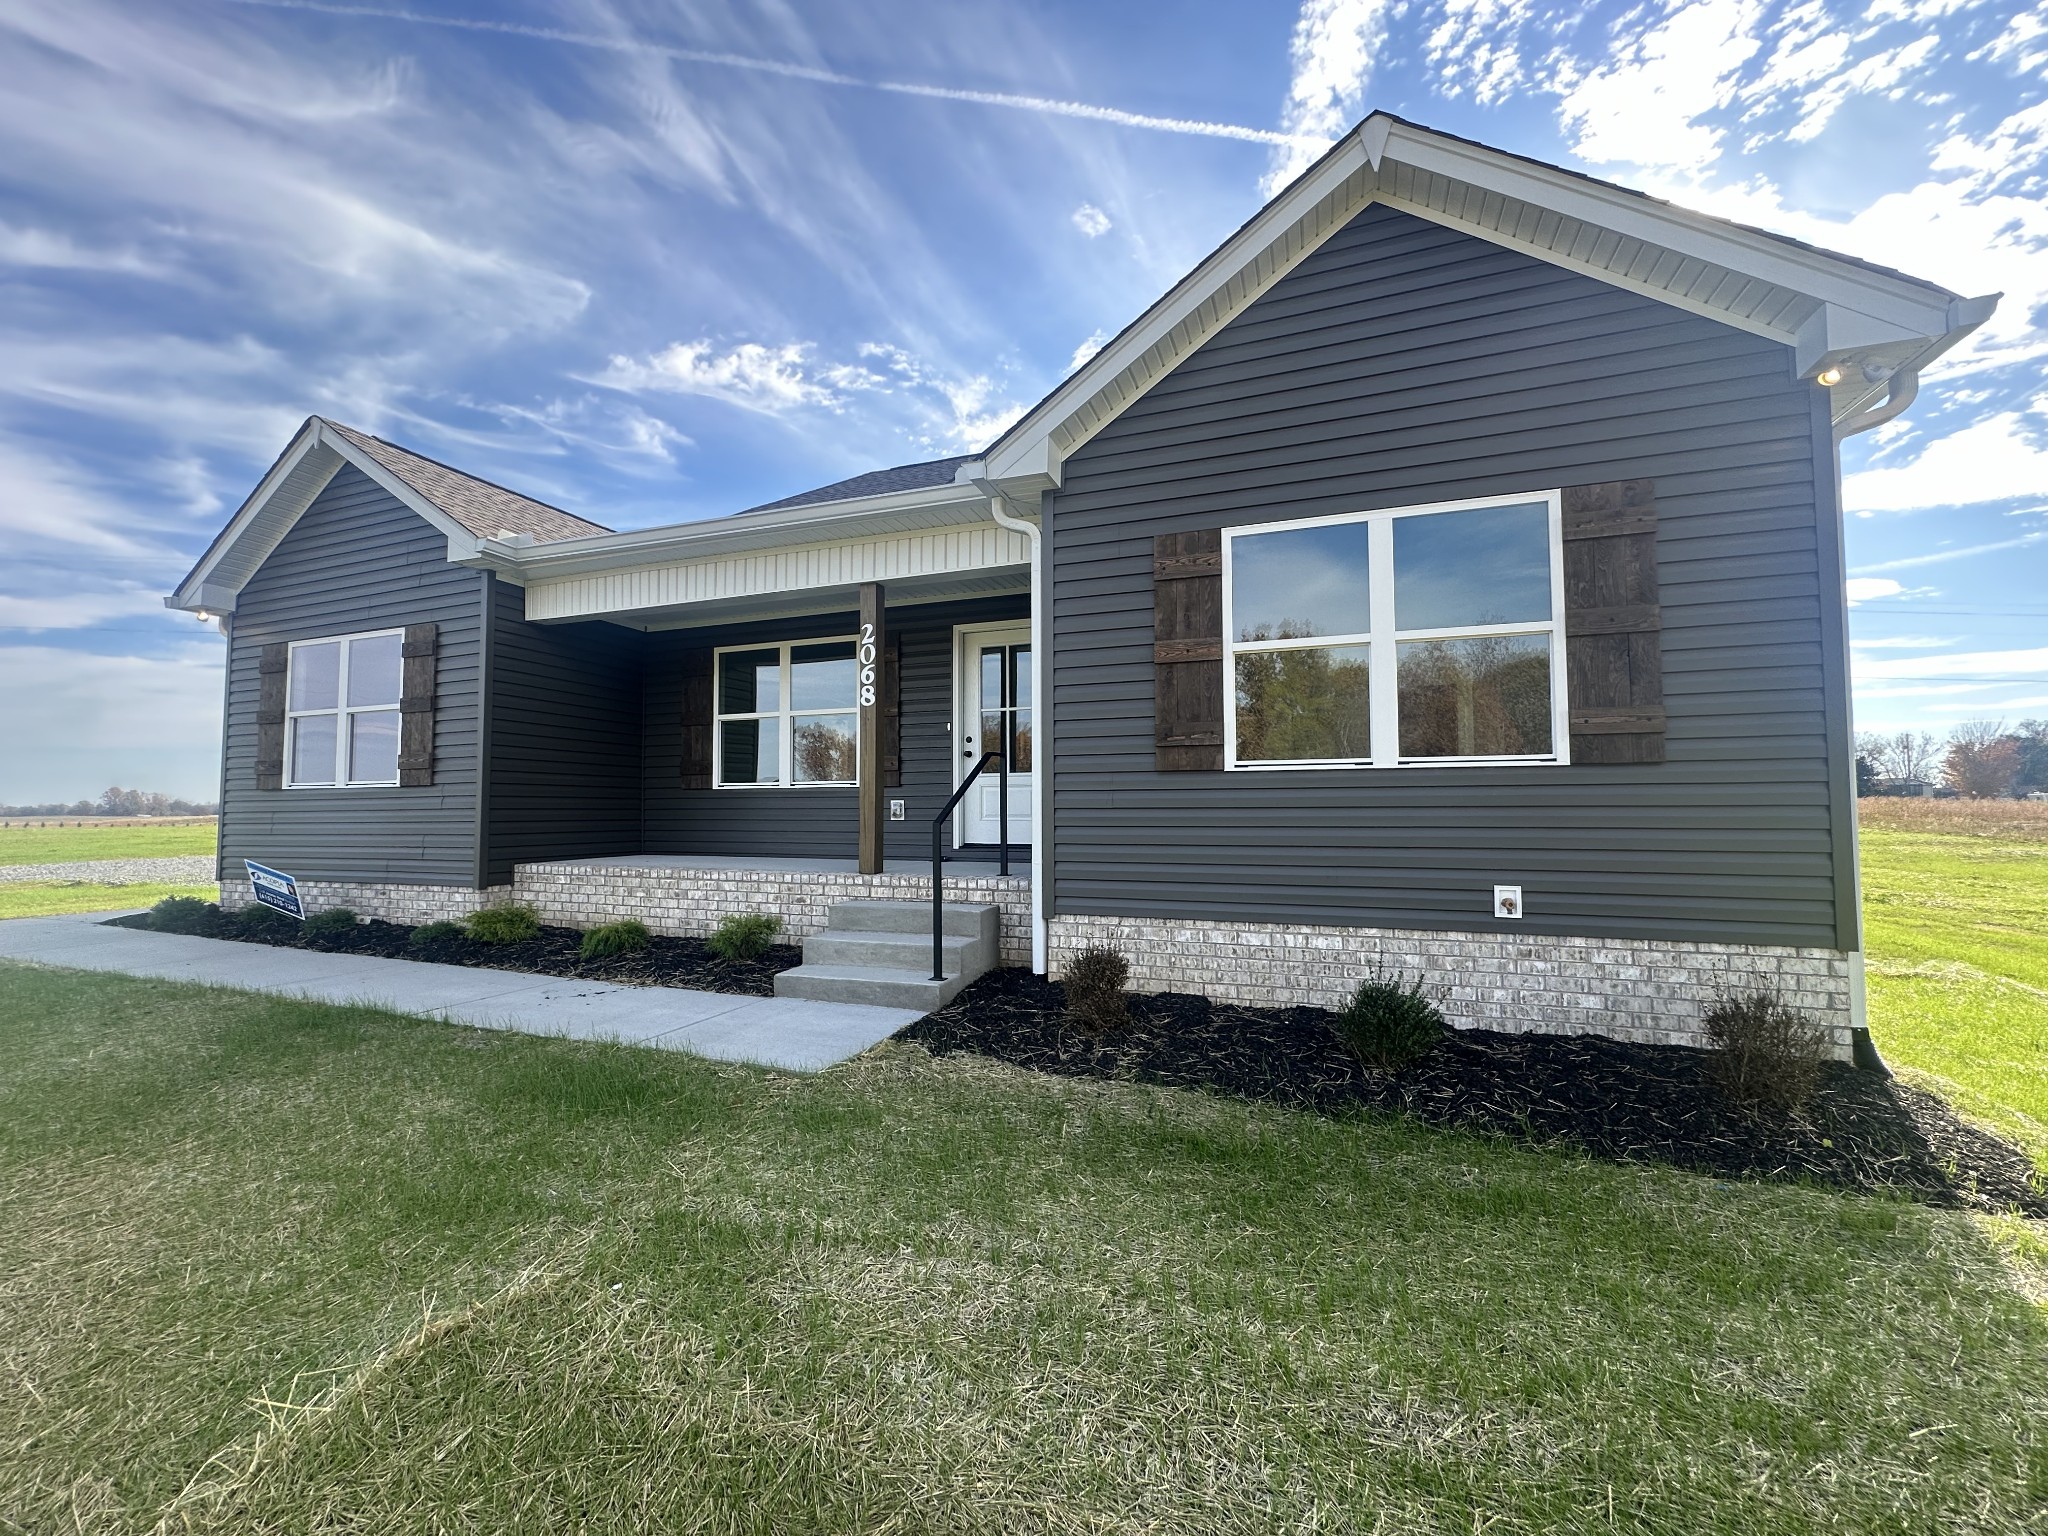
[(341, 711), (1417, 635), (788, 715)]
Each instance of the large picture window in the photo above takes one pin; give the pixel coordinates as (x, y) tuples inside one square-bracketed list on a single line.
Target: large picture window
[(341, 711), (1416, 635), (788, 714)]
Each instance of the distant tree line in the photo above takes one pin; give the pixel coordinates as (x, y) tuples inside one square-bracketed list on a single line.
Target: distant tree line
[(118, 802), (1980, 760)]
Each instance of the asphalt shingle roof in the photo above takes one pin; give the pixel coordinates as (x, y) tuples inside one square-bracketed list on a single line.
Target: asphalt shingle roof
[(876, 482), (483, 508)]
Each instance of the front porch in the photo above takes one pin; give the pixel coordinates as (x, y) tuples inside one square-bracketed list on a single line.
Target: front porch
[(688, 894)]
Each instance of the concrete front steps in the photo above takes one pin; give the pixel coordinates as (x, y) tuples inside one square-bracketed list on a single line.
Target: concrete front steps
[(880, 952)]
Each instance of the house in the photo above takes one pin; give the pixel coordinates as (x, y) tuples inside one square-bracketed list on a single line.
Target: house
[(1445, 575)]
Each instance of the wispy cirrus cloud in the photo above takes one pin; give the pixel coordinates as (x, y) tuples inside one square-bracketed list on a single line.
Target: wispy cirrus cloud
[(1335, 46), (1998, 457)]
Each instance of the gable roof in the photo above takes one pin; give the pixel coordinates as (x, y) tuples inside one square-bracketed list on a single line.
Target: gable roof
[(484, 508), (876, 482), (1876, 326), (468, 510)]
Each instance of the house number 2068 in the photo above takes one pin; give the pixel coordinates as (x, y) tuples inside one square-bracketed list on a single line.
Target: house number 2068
[(867, 666)]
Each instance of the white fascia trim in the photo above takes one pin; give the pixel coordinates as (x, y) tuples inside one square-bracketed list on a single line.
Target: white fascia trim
[(198, 593), (1907, 305), (1024, 452), (791, 527), (195, 594)]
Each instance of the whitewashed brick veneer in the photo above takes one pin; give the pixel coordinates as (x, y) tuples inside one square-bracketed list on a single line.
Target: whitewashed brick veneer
[(393, 902), (1647, 990), (680, 898)]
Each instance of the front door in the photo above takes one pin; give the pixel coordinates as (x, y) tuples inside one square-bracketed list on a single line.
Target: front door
[(995, 716)]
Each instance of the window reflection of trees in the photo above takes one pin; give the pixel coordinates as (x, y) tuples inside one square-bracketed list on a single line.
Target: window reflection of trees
[(1302, 704), (1488, 696)]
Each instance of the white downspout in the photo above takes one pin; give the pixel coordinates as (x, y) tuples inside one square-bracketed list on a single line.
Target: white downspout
[(1041, 821)]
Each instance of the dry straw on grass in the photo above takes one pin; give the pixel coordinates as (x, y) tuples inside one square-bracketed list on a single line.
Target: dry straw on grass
[(2013, 821)]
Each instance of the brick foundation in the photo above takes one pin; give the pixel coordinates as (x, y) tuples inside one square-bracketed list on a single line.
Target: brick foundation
[(393, 902), (1651, 991), (688, 899)]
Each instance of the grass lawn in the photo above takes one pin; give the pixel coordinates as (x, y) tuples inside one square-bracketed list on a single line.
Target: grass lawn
[(274, 1266), (1955, 904), (48, 898), (140, 840)]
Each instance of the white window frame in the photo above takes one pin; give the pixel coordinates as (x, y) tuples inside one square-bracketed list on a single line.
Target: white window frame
[(785, 746), (342, 712), (1382, 676)]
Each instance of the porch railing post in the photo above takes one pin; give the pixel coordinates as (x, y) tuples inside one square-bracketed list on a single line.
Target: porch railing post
[(1003, 806)]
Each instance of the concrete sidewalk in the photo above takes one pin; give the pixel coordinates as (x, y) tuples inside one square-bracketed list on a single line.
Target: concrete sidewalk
[(792, 1033)]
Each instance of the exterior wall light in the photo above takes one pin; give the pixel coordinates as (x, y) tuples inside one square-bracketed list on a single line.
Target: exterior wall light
[(1828, 377), (202, 615)]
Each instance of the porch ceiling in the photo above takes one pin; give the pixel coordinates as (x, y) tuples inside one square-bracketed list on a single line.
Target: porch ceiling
[(927, 564)]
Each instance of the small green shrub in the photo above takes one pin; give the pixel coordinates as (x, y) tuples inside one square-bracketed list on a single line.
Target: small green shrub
[(1095, 981), (1766, 1055), (181, 914), (621, 938), (505, 925), (259, 919), (332, 923), (434, 933), (744, 935), (1390, 1020)]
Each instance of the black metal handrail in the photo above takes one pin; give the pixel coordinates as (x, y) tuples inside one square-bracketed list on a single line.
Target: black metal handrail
[(1002, 762)]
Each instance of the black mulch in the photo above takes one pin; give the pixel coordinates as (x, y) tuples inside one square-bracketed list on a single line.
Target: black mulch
[(664, 963), (1632, 1103)]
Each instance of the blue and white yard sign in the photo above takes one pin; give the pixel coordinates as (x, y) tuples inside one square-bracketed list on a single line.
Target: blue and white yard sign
[(275, 888)]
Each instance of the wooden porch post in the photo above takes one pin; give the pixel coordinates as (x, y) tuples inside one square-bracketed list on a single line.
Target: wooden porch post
[(873, 657)]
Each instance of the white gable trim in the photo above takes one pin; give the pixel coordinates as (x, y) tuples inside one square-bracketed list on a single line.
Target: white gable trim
[(1827, 309), (280, 499)]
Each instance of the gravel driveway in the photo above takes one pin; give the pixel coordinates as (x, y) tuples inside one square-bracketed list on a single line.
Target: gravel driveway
[(189, 869)]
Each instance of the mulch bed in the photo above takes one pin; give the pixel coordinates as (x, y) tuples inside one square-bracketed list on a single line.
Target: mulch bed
[(664, 963), (1612, 1099)]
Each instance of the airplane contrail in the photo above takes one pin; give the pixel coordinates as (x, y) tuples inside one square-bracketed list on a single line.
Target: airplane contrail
[(807, 72)]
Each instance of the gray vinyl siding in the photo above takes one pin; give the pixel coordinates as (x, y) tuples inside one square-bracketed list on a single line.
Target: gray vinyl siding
[(1404, 363), (821, 823), (358, 559), (565, 760)]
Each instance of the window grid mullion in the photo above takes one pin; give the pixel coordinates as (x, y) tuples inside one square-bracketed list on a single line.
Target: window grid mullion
[(1383, 707)]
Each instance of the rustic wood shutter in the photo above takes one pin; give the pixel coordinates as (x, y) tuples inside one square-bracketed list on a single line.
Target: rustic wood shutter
[(271, 665), (422, 656), (697, 722), (1187, 652), (892, 714), (1614, 652)]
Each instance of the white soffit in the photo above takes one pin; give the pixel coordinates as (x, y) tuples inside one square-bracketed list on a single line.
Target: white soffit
[(842, 563), (1823, 306)]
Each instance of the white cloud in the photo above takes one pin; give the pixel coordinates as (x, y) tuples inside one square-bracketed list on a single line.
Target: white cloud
[(52, 505), (1942, 556), (1983, 665), (24, 246), (1475, 48), (78, 721), (772, 380), (1335, 45), (1091, 220), (1094, 343), (1642, 106), (1864, 588), (83, 610), (1995, 459), (1904, 642)]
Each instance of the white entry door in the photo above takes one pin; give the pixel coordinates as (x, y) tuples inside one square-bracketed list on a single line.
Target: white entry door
[(996, 694)]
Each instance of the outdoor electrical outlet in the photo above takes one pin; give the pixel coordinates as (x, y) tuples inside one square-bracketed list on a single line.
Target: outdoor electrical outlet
[(1507, 901), (895, 810)]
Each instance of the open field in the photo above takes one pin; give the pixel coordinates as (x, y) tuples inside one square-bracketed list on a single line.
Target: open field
[(50, 898), (152, 839), (275, 1266), (1955, 903)]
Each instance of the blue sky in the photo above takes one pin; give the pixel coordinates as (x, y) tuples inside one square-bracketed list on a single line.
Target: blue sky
[(654, 260)]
